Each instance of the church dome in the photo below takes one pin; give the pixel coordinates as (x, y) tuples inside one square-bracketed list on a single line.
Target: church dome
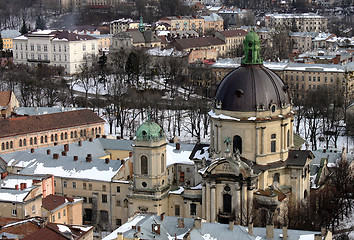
[(251, 86), (149, 131)]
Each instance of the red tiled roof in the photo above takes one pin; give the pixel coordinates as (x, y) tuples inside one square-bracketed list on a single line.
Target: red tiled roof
[(51, 231), (200, 42), (23, 228), (234, 33), (53, 201), (39, 123), (5, 98)]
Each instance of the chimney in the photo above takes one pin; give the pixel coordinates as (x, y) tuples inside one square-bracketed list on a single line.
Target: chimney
[(106, 160), (118, 137), (119, 236), (270, 231), (22, 186), (250, 229), (90, 139), (80, 143), (104, 136), (66, 147), (138, 229), (97, 136), (32, 150), (76, 158), (180, 223), (178, 146), (89, 158), (162, 216), (48, 151), (63, 153), (198, 223), (231, 225), (3, 175), (89, 155), (324, 150), (55, 143), (55, 156), (16, 186), (285, 233), (130, 154)]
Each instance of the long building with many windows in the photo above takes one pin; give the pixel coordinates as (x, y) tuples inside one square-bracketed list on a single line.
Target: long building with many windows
[(56, 48)]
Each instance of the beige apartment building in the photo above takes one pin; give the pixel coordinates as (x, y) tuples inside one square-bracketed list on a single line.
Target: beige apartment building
[(184, 23), (232, 38), (56, 48), (21, 195), (48, 129), (305, 22)]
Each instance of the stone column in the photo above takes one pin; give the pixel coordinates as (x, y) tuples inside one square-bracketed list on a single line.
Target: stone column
[(237, 203), (257, 141), (207, 203), (250, 188), (244, 204), (212, 203), (281, 137)]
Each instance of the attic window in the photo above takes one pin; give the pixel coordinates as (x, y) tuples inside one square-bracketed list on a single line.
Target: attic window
[(239, 92), (144, 133)]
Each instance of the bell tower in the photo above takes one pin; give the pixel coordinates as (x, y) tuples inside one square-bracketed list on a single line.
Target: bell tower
[(149, 189)]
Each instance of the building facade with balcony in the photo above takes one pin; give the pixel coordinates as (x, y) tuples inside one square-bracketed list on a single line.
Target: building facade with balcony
[(56, 48)]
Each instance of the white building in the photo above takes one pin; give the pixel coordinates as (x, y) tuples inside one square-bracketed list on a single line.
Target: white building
[(56, 48)]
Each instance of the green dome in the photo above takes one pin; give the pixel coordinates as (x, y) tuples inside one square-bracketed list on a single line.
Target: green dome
[(252, 37), (149, 131)]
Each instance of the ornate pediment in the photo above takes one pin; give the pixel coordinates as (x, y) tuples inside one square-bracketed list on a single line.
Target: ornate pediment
[(224, 168)]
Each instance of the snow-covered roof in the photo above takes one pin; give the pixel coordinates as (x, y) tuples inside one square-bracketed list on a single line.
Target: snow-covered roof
[(322, 36), (8, 33), (226, 63), (13, 195), (212, 114), (174, 156), (298, 15), (41, 110), (165, 52)]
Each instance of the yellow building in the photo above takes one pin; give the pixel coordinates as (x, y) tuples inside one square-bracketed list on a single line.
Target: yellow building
[(7, 36)]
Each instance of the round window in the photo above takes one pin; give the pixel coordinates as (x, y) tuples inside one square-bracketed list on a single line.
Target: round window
[(273, 108), (227, 188), (144, 132), (144, 184), (250, 44)]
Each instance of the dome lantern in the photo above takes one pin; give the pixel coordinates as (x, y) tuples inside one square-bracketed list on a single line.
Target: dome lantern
[(252, 47)]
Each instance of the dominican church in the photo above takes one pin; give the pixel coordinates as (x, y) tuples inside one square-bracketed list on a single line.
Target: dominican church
[(249, 174)]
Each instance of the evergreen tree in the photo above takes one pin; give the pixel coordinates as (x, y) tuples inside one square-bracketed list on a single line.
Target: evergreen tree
[(1, 43), (24, 28), (40, 23)]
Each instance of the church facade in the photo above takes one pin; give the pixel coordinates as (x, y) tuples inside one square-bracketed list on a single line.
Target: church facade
[(252, 164)]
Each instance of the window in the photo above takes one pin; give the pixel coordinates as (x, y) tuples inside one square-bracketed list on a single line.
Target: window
[(276, 179), (118, 189), (56, 137), (85, 199), (118, 222), (64, 212), (103, 215), (66, 135), (45, 139), (52, 138), (75, 133), (104, 198), (90, 200), (35, 140), (20, 143), (143, 165), (177, 210), (84, 185), (62, 136), (237, 144), (288, 138), (162, 163), (118, 203), (273, 143), (3, 146), (45, 47), (31, 141), (90, 186), (32, 47), (193, 209), (14, 212), (84, 47), (39, 47), (71, 134), (74, 184), (125, 203), (103, 188), (11, 144), (24, 142), (93, 46), (58, 215), (55, 183), (65, 184), (318, 79), (53, 218)]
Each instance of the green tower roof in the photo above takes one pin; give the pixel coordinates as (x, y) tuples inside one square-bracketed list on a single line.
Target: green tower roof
[(149, 131), (251, 47)]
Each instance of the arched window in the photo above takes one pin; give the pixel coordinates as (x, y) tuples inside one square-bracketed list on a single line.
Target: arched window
[(45, 138), (227, 203), (99, 130), (52, 138), (81, 133), (273, 143), (92, 131), (75, 134), (56, 137), (237, 144), (85, 132), (62, 136), (24, 142), (71, 134), (66, 135), (162, 163), (288, 138), (42, 139), (305, 194), (7, 145), (11, 144), (35, 140), (31, 141), (276, 179), (20, 143), (144, 165), (3, 146), (95, 130)]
